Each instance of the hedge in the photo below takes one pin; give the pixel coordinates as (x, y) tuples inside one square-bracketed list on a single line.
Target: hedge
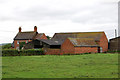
[(29, 52), (113, 51)]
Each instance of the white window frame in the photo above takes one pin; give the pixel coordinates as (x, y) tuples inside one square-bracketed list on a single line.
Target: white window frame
[(101, 50), (17, 42)]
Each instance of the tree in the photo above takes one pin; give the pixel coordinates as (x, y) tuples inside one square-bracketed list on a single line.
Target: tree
[(6, 46), (48, 37)]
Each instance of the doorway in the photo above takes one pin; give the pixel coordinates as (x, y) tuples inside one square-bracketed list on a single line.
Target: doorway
[(99, 49)]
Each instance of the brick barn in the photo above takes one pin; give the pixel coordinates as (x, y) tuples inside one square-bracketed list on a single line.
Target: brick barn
[(79, 45), (75, 43), (27, 36)]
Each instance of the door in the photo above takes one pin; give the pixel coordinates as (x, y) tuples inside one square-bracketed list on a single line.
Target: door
[(99, 49)]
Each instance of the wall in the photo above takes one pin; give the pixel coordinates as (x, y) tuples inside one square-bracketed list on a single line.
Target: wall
[(114, 44), (52, 51), (29, 45), (67, 47), (43, 36), (17, 45), (104, 43), (79, 50)]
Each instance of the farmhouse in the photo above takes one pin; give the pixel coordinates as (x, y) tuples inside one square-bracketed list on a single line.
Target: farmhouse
[(73, 43), (114, 44), (27, 36)]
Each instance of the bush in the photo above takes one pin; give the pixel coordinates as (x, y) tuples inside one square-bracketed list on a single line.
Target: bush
[(13, 52), (9, 52)]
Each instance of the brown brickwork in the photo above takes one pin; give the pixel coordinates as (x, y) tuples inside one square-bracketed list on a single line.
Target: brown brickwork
[(17, 45), (53, 52), (104, 43), (79, 50), (43, 36), (67, 47)]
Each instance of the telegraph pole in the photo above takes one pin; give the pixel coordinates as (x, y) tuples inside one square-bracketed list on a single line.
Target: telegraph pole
[(115, 33)]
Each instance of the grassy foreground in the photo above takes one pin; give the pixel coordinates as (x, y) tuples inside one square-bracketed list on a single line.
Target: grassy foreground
[(63, 66)]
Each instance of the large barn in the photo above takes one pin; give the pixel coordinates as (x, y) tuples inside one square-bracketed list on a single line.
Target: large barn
[(74, 43)]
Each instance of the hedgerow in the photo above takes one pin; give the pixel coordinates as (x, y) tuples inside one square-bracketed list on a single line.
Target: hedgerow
[(29, 52)]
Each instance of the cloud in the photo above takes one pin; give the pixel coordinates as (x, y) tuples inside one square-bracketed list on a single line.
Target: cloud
[(38, 9), (58, 16)]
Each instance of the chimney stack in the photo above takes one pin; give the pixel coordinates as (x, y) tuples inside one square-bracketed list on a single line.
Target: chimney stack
[(20, 29), (35, 29)]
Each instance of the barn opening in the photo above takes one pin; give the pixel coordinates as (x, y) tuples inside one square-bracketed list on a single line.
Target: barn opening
[(55, 46), (38, 46)]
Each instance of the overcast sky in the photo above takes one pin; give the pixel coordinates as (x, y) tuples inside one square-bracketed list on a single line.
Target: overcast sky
[(51, 16)]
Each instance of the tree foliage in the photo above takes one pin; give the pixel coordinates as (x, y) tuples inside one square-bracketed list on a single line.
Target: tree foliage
[(48, 37), (21, 44), (6, 46)]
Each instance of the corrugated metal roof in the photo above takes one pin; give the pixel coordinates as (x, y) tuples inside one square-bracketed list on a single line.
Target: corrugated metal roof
[(83, 42)]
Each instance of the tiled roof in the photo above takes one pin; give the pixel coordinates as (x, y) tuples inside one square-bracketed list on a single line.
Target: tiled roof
[(25, 35), (63, 36), (51, 42), (38, 36), (83, 42)]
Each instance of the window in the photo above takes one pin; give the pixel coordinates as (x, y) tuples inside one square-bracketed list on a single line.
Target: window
[(27, 41), (101, 49), (17, 48), (17, 42)]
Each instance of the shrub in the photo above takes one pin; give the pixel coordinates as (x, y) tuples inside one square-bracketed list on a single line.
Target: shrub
[(9, 52), (13, 52)]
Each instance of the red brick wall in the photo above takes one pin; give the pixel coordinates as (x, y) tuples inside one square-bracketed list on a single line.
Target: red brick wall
[(52, 52), (17, 45), (43, 36), (79, 50), (104, 43), (67, 47)]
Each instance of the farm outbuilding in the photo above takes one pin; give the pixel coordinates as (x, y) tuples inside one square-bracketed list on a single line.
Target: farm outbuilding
[(72, 43), (80, 42), (79, 45), (114, 44), (43, 43)]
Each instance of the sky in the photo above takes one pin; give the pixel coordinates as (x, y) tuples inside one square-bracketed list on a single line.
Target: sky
[(54, 16)]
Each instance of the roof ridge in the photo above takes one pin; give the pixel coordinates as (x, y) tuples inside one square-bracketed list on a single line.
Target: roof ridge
[(79, 38), (40, 33), (26, 31), (79, 32)]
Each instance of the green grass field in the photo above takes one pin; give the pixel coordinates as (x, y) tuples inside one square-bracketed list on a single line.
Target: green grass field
[(63, 66)]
